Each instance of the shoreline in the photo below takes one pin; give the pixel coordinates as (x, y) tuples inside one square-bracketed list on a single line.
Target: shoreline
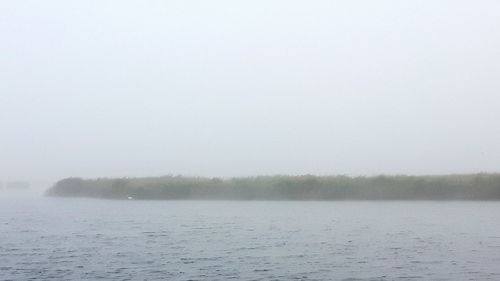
[(482, 187)]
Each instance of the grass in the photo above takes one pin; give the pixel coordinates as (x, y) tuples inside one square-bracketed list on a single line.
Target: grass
[(307, 187)]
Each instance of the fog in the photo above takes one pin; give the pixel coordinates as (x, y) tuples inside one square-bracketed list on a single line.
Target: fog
[(233, 88), (249, 140)]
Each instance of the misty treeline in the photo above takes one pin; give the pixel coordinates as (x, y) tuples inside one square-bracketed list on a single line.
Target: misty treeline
[(307, 187)]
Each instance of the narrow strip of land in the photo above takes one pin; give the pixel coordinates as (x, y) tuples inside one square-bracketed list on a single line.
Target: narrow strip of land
[(307, 187)]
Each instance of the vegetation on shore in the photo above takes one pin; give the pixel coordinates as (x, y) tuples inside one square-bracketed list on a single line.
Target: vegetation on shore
[(307, 187)]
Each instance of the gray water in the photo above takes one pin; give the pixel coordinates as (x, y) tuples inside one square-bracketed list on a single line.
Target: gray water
[(86, 239)]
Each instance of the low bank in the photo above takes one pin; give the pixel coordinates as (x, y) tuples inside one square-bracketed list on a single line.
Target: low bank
[(307, 187)]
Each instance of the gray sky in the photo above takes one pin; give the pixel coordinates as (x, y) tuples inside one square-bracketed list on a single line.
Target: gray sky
[(237, 88)]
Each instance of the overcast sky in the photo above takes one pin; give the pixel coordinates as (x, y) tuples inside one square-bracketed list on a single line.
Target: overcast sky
[(239, 88)]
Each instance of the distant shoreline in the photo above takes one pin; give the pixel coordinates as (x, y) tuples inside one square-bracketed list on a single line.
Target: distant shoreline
[(483, 186)]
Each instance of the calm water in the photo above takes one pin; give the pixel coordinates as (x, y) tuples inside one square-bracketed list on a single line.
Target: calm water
[(85, 239)]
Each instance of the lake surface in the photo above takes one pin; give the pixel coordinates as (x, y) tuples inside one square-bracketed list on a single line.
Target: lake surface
[(86, 239)]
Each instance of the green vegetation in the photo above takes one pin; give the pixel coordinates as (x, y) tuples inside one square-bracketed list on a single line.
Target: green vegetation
[(307, 187)]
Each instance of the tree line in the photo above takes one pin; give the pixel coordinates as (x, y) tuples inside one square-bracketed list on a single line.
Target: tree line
[(306, 187)]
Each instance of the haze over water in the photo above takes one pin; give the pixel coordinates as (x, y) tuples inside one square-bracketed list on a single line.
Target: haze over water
[(129, 100), (229, 88), (87, 239)]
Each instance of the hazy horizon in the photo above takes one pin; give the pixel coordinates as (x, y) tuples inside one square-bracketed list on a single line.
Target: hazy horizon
[(222, 88)]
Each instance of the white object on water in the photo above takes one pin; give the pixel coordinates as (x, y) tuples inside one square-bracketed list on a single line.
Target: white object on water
[(130, 198)]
